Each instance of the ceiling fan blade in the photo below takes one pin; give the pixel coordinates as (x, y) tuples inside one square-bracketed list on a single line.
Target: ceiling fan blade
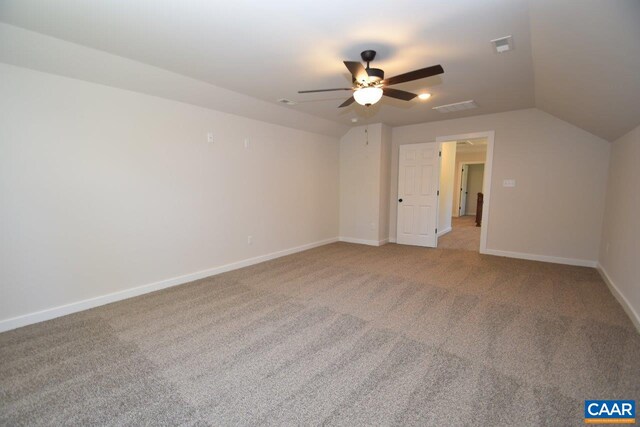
[(422, 73), (398, 94), (324, 90), (347, 102), (357, 71)]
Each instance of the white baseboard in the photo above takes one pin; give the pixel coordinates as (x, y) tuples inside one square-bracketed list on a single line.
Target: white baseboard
[(51, 313), (364, 241), (443, 232), (543, 258), (392, 240), (624, 302)]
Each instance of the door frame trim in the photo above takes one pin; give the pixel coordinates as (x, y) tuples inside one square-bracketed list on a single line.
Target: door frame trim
[(486, 183)]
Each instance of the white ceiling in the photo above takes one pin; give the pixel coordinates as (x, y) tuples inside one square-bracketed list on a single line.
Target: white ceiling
[(476, 145), (270, 50)]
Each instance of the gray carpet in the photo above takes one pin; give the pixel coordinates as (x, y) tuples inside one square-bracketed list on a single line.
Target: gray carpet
[(464, 234), (338, 335)]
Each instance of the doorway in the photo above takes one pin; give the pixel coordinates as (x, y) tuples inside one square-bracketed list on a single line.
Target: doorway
[(469, 217), (420, 223), (471, 180)]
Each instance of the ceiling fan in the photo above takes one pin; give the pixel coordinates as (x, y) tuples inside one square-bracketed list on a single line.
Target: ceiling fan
[(369, 83)]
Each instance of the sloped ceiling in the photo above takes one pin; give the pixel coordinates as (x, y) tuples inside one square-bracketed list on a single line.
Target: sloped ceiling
[(573, 59), (586, 62)]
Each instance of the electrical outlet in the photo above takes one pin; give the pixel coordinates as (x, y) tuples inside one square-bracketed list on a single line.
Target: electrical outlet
[(509, 183), (210, 137), (249, 240), (246, 143)]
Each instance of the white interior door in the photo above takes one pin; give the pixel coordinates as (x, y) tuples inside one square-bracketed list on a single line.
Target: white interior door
[(464, 178), (418, 176)]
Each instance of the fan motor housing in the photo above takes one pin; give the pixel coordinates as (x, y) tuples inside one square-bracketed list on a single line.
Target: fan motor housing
[(375, 74)]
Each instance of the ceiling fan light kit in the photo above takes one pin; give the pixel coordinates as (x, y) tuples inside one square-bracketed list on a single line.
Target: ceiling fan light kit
[(368, 95), (369, 83)]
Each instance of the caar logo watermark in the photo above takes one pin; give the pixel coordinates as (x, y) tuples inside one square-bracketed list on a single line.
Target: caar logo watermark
[(610, 411)]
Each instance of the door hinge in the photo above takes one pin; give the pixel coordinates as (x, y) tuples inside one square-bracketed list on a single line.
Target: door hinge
[(438, 193), (436, 231), (439, 153)]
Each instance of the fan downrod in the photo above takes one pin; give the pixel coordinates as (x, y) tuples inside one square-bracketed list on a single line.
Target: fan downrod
[(375, 74)]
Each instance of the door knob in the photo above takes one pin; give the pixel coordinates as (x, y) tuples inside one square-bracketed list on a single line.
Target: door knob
[(400, 200)]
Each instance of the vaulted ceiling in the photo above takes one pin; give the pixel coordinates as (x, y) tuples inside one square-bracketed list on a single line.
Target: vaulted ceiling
[(578, 60)]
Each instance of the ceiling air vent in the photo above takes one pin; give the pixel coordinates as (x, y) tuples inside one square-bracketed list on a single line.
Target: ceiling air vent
[(458, 106), (503, 44), (287, 101)]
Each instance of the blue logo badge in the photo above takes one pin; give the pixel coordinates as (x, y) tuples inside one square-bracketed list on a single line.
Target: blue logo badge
[(610, 411)]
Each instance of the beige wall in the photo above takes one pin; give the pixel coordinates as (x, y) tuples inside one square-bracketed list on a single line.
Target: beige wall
[(463, 157), (385, 182), (620, 247), (447, 176), (360, 151), (365, 177), (103, 190), (556, 209)]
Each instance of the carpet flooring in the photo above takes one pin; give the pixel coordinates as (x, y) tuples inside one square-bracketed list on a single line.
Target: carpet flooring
[(464, 234), (338, 335)]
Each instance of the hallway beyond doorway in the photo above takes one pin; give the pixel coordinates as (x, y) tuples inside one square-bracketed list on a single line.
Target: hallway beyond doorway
[(463, 235)]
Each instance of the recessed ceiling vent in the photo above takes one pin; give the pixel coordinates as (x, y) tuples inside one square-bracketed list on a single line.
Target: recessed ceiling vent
[(287, 101), (503, 44), (458, 106)]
